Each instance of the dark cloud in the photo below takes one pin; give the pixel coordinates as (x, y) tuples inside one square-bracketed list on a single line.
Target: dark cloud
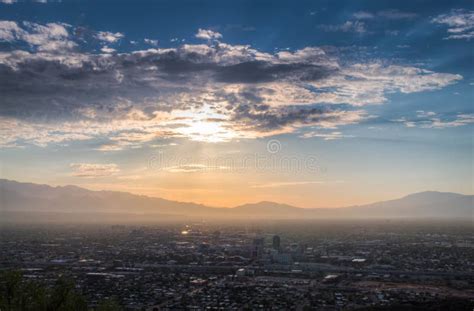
[(263, 118), (260, 72), (45, 85)]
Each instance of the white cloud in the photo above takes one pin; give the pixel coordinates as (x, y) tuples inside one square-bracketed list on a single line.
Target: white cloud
[(194, 168), (39, 34), (385, 14), (46, 38), (396, 14), (459, 120), (109, 37), (16, 1), (363, 15), (208, 34), (431, 119), (151, 42), (107, 50), (326, 136), (364, 84), (460, 24), (424, 114), (10, 31), (90, 170), (348, 26), (37, 133)]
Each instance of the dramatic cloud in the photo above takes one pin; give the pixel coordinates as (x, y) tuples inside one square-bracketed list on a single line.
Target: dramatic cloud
[(89, 170), (460, 24), (207, 34), (210, 92)]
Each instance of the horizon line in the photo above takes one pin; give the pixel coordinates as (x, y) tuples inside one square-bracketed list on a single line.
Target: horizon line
[(230, 207)]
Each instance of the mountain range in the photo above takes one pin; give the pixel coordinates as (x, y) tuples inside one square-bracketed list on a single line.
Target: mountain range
[(28, 201)]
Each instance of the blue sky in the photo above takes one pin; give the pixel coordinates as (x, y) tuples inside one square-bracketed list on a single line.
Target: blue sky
[(380, 93)]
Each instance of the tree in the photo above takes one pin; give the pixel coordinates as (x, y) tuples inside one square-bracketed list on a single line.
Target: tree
[(109, 304), (65, 298), (16, 293), (10, 290)]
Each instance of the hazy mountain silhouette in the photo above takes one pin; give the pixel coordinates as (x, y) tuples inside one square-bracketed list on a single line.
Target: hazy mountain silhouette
[(19, 200)]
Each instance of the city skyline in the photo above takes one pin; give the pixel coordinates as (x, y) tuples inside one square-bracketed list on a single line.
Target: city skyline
[(313, 104)]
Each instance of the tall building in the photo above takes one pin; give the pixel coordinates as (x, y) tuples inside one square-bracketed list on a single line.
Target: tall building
[(258, 245), (276, 242)]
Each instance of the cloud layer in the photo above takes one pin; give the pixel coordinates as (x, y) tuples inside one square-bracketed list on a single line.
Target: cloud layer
[(430, 119), (56, 92), (460, 24), (89, 170)]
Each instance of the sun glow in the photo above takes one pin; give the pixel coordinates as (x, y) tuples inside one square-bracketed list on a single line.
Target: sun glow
[(206, 125)]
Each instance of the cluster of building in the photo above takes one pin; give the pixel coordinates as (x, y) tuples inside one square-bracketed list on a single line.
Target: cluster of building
[(212, 267)]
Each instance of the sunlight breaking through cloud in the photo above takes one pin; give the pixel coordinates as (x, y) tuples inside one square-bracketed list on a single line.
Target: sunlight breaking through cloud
[(212, 92)]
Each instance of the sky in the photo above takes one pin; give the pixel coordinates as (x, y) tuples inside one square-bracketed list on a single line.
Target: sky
[(309, 103)]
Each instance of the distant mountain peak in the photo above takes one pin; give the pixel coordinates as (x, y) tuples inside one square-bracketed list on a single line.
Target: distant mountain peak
[(432, 196), (32, 198)]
